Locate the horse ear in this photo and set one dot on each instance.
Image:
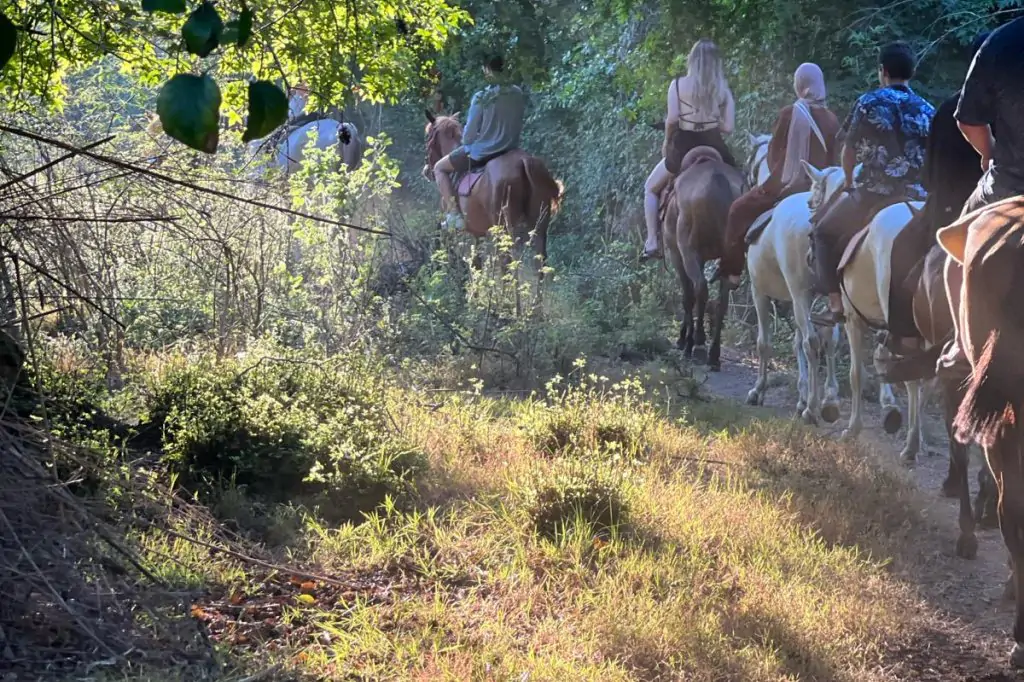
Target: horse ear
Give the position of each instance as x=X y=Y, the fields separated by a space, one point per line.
x=813 y=173
x=456 y=115
x=430 y=116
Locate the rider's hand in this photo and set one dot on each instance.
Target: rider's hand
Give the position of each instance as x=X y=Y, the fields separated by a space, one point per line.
x=985 y=163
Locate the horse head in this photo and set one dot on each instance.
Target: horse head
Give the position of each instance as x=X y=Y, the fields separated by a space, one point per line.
x=825 y=186
x=444 y=134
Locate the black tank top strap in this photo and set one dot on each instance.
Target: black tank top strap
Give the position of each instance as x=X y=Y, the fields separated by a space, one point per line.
x=698 y=126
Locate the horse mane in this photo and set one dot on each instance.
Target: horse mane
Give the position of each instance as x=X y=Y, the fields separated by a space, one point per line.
x=441 y=125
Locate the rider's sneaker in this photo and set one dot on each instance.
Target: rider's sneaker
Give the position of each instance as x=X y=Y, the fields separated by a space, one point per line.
x=454 y=221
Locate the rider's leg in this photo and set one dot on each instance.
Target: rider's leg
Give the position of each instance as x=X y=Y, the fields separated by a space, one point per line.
x=458 y=160
x=656 y=182
x=834 y=228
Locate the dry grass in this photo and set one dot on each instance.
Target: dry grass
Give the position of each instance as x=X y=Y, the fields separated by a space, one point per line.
x=744 y=549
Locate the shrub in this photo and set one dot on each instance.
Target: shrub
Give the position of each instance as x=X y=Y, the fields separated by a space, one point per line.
x=587 y=495
x=284 y=426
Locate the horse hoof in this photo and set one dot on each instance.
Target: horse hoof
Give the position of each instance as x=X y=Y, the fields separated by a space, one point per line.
x=950 y=488
x=830 y=413
x=892 y=421
x=848 y=435
x=800 y=407
x=967 y=546
x=753 y=397
x=1017 y=656
x=809 y=418
x=700 y=354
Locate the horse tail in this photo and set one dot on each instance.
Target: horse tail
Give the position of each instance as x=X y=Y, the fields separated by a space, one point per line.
x=542 y=183
x=990 y=407
x=351 y=152
x=719 y=199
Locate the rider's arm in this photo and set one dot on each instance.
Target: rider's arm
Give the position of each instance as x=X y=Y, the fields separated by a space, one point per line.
x=851 y=135
x=472 y=129
x=975 y=111
x=728 y=121
x=671 y=115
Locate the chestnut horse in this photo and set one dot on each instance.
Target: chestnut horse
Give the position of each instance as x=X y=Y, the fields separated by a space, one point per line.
x=515 y=191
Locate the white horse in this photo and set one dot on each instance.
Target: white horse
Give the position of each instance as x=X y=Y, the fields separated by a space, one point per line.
x=777 y=263
x=758 y=171
x=865 y=296
x=325 y=132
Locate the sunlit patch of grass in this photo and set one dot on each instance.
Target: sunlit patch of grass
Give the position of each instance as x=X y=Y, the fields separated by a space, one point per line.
x=724 y=548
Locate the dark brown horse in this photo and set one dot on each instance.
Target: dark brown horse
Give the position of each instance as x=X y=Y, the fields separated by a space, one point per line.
x=694 y=233
x=989 y=244
x=516 y=191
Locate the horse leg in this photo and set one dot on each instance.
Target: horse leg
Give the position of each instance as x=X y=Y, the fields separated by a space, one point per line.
x=802 y=370
x=986 y=501
x=715 y=353
x=914 y=432
x=855 y=337
x=956 y=484
x=830 y=404
x=695 y=272
x=1004 y=458
x=685 y=342
x=764 y=346
x=807 y=337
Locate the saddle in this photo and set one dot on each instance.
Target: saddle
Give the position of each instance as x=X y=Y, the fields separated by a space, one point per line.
x=465 y=182
x=757 y=227
x=858 y=239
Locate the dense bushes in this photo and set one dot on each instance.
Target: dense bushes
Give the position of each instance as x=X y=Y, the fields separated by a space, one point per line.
x=283 y=426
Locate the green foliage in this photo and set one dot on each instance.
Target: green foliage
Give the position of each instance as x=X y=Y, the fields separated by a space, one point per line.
x=202 y=30
x=189 y=110
x=283 y=426
x=588 y=417
x=8 y=40
x=268 y=108
x=239 y=31
x=168 y=6
x=576 y=496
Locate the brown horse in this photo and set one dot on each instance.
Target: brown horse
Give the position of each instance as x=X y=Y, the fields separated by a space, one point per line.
x=989 y=244
x=694 y=233
x=515 y=191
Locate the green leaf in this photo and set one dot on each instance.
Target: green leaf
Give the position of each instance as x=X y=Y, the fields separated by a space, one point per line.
x=244 y=26
x=189 y=110
x=168 y=6
x=202 y=30
x=8 y=39
x=238 y=30
x=268 y=108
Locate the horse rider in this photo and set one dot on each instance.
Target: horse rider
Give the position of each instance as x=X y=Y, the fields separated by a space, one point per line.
x=989 y=116
x=951 y=172
x=700 y=109
x=494 y=125
x=804 y=131
x=886 y=131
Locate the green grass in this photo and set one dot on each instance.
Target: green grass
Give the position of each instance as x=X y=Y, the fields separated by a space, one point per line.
x=744 y=550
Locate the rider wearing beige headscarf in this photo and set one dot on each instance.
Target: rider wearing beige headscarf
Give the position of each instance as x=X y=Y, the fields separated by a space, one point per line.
x=805 y=131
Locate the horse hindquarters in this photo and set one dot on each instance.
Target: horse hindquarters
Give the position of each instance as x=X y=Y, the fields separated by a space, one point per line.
x=540 y=201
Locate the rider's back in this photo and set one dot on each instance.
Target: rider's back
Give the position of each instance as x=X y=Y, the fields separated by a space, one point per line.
x=495 y=121
x=694 y=114
x=993 y=94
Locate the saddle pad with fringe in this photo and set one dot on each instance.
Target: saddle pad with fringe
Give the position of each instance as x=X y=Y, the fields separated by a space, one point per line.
x=467 y=181
x=757 y=227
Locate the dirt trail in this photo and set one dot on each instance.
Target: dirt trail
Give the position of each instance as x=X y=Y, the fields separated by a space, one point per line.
x=973 y=625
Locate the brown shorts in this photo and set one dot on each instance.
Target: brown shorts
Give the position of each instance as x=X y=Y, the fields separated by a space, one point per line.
x=459 y=158
x=683 y=141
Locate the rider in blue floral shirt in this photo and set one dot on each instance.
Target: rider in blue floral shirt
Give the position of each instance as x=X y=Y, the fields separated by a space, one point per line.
x=887 y=132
